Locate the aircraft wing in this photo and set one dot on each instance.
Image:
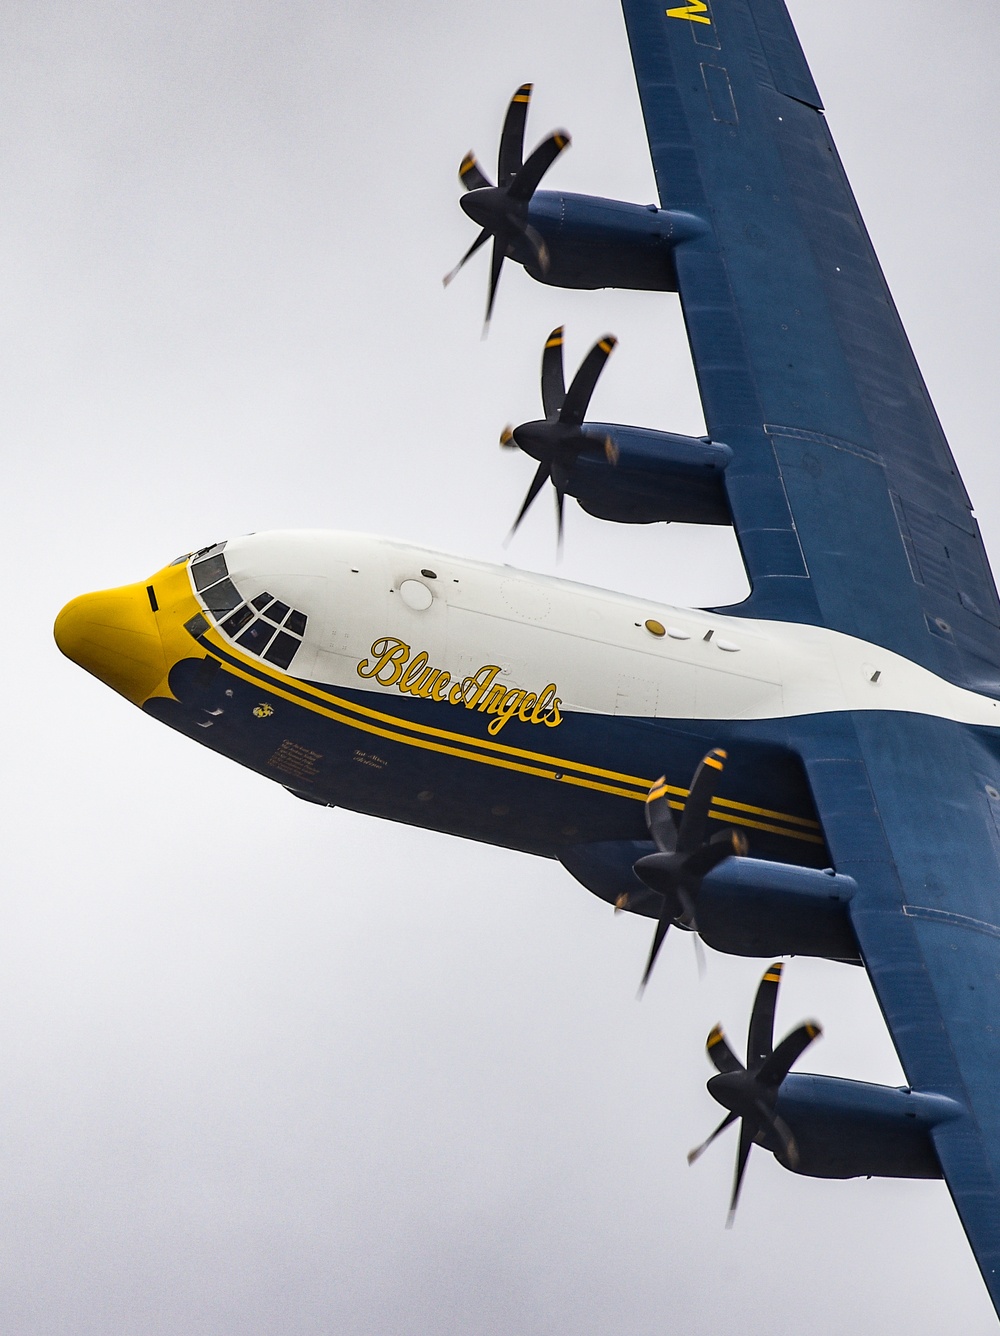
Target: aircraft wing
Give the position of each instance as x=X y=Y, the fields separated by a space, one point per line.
x=850 y=514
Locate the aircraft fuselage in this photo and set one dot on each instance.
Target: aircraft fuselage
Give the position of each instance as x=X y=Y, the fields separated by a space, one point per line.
x=483 y=701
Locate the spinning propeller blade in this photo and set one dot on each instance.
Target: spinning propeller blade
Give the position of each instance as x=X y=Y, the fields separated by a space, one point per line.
x=750 y=1093
x=501 y=210
x=557 y=440
x=685 y=853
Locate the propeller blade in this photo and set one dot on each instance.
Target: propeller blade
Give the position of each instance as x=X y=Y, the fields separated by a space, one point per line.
x=779 y=1064
x=580 y=391
x=633 y=899
x=659 y=818
x=553 y=380
x=694 y=821
x=722 y=1057
x=512 y=136
x=753 y=1090
x=784 y=1135
x=496 y=264
x=700 y=1150
x=723 y=844
x=525 y=183
x=481 y=240
x=686 y=916
x=662 y=926
x=746 y=1141
x=537 y=243
x=471 y=174
x=560 y=480
x=699 y=955
x=537 y=483
x=760 y=1037
x=507 y=441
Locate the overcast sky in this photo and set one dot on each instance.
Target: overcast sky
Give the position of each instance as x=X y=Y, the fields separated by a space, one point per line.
x=269 y=1069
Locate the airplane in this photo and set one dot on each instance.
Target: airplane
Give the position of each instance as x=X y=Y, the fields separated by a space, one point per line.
x=814 y=771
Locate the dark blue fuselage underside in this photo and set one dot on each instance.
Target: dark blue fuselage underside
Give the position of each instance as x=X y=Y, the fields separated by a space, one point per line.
x=476 y=795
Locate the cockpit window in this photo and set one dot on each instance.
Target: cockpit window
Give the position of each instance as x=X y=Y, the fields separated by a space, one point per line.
x=252 y=624
x=237 y=621
x=222 y=598
x=256 y=636
x=208 y=571
x=282 y=651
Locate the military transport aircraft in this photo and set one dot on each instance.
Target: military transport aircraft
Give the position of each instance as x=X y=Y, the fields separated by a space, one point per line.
x=831 y=745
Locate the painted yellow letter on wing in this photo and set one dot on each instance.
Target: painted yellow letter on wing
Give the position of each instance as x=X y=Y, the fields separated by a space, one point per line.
x=695 y=11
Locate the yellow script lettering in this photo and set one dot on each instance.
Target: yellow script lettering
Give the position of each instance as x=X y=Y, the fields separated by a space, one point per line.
x=440 y=686
x=391 y=665
x=391 y=654
x=525 y=708
x=491 y=702
x=507 y=708
x=474 y=688
x=408 y=682
x=542 y=703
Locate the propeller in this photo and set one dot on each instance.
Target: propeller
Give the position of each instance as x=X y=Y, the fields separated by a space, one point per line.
x=556 y=440
x=501 y=210
x=750 y=1093
x=686 y=852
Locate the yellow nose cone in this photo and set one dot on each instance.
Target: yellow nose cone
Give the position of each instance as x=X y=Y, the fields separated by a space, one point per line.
x=113 y=634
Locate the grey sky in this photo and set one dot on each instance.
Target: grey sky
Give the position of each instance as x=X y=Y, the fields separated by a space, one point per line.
x=270 y=1069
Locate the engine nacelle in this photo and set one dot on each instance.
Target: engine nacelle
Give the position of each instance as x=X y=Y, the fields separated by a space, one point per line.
x=751 y=907
x=656 y=477
x=745 y=906
x=605 y=243
x=852 y=1129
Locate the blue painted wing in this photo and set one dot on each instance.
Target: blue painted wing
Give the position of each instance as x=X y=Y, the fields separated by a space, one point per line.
x=851 y=514
x=843 y=478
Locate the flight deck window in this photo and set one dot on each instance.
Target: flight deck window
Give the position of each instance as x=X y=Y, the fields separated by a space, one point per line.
x=208 y=571
x=282 y=651
x=237 y=621
x=253 y=624
x=257 y=636
x=222 y=598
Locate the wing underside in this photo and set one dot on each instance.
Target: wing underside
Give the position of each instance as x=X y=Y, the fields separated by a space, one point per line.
x=851 y=514
x=842 y=468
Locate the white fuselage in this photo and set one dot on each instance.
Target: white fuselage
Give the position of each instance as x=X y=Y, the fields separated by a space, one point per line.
x=603 y=651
